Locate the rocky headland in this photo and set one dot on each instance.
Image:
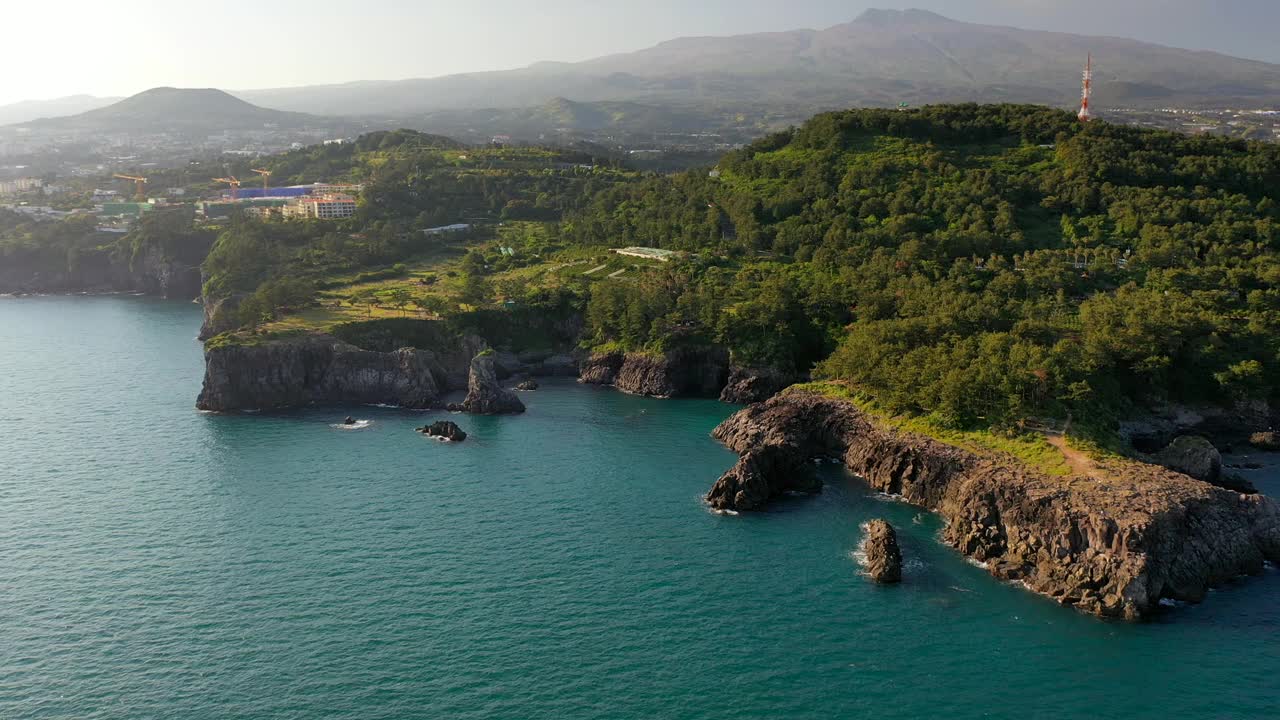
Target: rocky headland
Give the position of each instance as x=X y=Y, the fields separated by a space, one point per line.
x=318 y=369
x=1113 y=545
x=369 y=365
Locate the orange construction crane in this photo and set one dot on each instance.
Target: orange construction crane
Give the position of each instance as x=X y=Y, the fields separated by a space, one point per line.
x=139 y=182
x=266 y=176
x=234 y=183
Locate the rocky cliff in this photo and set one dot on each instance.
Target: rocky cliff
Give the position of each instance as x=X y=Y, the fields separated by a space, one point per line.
x=686 y=372
x=318 y=369
x=104 y=272
x=1113 y=545
x=747 y=385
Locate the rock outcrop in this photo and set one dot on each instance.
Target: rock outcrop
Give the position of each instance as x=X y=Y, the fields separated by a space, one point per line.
x=316 y=369
x=1191 y=455
x=529 y=385
x=686 y=372
x=883 y=556
x=485 y=395
x=1269 y=440
x=358 y=364
x=752 y=385
x=763 y=474
x=444 y=430
x=600 y=368
x=1114 y=547
x=1197 y=457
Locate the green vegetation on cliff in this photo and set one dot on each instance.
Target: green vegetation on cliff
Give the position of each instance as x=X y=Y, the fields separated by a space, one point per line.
x=973 y=265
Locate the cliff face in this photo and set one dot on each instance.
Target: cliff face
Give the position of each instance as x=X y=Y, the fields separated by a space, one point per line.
x=1113 y=547
x=316 y=370
x=102 y=272
x=693 y=372
x=219 y=316
x=747 y=385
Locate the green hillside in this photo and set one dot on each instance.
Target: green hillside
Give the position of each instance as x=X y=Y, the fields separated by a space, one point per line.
x=976 y=265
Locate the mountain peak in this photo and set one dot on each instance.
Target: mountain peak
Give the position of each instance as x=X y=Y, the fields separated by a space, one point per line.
x=884 y=18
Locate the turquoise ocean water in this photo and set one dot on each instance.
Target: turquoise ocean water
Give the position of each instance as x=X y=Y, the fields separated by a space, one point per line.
x=156 y=562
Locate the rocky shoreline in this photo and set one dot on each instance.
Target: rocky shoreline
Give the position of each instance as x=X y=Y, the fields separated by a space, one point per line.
x=1114 y=547
x=318 y=368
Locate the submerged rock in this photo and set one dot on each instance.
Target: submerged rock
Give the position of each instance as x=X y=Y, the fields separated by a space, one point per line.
x=445 y=430
x=884 y=558
x=485 y=395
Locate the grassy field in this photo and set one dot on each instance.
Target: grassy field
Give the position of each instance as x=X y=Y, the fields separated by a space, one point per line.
x=434 y=283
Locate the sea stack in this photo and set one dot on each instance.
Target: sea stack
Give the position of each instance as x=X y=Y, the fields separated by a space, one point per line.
x=444 y=430
x=485 y=396
x=884 y=558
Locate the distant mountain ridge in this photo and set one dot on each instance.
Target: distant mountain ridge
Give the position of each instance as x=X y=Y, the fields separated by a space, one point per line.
x=28 y=110
x=882 y=58
x=175 y=109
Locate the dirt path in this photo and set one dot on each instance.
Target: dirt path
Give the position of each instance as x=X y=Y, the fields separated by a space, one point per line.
x=1079 y=463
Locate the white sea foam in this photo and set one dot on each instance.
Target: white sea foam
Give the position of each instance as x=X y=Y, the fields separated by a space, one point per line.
x=357 y=425
x=888 y=498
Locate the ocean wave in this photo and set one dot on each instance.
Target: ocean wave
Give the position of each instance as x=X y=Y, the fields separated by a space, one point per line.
x=357 y=425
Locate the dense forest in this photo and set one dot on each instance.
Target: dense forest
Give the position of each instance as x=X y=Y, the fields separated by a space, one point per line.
x=974 y=264
x=978 y=264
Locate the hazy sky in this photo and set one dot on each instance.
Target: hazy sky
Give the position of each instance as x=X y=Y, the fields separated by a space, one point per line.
x=64 y=47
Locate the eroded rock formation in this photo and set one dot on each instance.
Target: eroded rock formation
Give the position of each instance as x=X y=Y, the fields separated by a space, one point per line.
x=883 y=556
x=485 y=394
x=1112 y=547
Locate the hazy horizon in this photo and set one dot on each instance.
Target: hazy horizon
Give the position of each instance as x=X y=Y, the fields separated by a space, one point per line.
x=290 y=43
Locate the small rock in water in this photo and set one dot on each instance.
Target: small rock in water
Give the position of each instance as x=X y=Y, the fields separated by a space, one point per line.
x=884 y=558
x=1269 y=440
x=445 y=430
x=528 y=385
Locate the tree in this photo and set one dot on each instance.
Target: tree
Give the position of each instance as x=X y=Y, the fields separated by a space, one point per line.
x=400 y=297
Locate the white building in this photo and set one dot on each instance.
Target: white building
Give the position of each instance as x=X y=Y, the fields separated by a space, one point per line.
x=322 y=207
x=13 y=187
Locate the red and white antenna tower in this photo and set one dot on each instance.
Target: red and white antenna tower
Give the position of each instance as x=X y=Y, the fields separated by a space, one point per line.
x=1087 y=93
